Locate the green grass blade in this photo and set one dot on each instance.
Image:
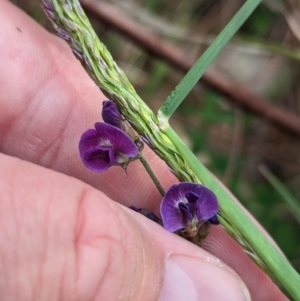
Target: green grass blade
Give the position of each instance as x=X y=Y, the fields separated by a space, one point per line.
x=274 y=47
x=195 y=73
x=291 y=201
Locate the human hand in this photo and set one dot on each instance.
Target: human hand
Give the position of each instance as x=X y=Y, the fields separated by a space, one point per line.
x=65 y=231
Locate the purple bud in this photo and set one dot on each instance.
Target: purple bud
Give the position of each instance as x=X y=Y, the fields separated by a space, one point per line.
x=105 y=146
x=111 y=114
x=187 y=205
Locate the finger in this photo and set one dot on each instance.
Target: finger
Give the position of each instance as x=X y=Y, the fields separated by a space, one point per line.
x=65 y=240
x=228 y=250
x=49 y=101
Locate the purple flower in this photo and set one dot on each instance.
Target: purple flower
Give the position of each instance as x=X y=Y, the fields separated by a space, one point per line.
x=105 y=146
x=187 y=206
x=111 y=114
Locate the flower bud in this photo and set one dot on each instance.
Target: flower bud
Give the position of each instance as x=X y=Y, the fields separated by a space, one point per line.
x=111 y=114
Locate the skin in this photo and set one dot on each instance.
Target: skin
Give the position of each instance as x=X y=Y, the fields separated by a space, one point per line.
x=65 y=231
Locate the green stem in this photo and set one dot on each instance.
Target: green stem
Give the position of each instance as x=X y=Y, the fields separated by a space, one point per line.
x=198 y=69
x=274 y=47
x=287 y=196
x=151 y=173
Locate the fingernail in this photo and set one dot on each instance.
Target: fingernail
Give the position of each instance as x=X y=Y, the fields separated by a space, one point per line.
x=190 y=279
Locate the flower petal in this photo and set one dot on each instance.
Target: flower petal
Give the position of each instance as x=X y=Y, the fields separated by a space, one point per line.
x=87 y=140
x=105 y=146
x=94 y=156
x=214 y=220
x=206 y=204
x=185 y=209
x=121 y=142
x=99 y=158
x=172 y=216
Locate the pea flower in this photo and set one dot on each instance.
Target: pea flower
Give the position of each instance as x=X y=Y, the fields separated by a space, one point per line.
x=105 y=146
x=188 y=206
x=111 y=114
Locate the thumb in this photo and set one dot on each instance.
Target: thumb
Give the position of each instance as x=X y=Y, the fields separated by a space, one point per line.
x=64 y=240
x=145 y=262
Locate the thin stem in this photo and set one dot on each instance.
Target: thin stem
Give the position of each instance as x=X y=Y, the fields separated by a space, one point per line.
x=288 y=197
x=151 y=173
x=198 y=69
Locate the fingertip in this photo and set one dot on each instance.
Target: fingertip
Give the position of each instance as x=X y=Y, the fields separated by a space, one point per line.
x=194 y=280
x=223 y=246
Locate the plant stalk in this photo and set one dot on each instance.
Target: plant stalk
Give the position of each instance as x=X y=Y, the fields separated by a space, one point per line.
x=151 y=173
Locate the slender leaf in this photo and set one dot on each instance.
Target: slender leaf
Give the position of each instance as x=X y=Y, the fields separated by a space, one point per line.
x=195 y=73
x=288 y=197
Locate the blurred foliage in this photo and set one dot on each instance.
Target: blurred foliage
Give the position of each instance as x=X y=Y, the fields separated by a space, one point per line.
x=261 y=22
x=231 y=142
